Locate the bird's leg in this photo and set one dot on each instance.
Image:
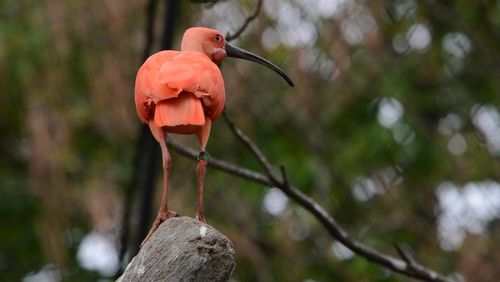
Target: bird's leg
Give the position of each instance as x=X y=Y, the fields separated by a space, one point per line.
x=201 y=167
x=163 y=213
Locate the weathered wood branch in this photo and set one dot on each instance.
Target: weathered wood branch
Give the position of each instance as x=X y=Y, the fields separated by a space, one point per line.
x=183 y=249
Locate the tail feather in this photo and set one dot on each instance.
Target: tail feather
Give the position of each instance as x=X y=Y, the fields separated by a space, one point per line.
x=186 y=109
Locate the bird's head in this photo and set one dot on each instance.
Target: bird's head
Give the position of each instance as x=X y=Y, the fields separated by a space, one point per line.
x=212 y=43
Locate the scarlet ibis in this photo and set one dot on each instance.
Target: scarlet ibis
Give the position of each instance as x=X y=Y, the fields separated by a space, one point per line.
x=182 y=92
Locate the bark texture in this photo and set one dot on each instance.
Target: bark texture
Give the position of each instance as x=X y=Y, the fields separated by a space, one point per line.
x=183 y=249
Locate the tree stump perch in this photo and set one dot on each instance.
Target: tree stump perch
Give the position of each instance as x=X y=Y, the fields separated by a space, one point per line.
x=183 y=249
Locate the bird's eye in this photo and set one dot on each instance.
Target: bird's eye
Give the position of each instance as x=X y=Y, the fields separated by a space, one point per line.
x=218 y=37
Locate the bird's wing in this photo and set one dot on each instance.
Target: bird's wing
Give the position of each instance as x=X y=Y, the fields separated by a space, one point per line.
x=144 y=83
x=168 y=73
x=208 y=84
x=195 y=73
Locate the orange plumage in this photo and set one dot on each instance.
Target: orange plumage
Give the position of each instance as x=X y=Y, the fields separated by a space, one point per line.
x=177 y=90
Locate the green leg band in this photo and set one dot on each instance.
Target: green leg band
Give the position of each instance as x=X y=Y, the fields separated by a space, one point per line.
x=203 y=156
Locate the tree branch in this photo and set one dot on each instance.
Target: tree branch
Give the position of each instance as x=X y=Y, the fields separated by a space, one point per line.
x=406 y=266
x=259 y=156
x=220 y=164
x=245 y=24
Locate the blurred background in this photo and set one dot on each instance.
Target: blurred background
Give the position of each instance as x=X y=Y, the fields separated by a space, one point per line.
x=393 y=126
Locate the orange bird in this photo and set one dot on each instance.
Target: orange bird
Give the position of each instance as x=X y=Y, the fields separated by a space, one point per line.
x=182 y=92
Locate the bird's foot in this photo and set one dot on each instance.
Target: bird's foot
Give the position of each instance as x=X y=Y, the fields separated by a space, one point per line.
x=160 y=218
x=201 y=217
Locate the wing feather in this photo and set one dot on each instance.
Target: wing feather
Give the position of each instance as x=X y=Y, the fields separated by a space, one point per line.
x=167 y=74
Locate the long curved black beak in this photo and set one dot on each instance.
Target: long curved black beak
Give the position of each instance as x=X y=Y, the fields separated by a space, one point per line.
x=235 y=52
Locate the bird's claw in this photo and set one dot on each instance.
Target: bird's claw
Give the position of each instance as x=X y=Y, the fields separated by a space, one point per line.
x=160 y=218
x=201 y=217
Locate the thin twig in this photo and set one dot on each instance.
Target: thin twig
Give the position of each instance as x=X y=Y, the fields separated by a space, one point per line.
x=247 y=21
x=257 y=153
x=403 y=253
x=284 y=176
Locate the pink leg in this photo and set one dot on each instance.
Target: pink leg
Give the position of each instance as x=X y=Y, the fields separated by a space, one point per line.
x=163 y=213
x=201 y=171
x=201 y=167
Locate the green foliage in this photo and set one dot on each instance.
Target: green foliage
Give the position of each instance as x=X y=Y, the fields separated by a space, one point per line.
x=68 y=127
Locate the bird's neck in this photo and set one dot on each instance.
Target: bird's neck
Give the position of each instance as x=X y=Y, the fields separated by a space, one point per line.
x=197 y=47
x=191 y=46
